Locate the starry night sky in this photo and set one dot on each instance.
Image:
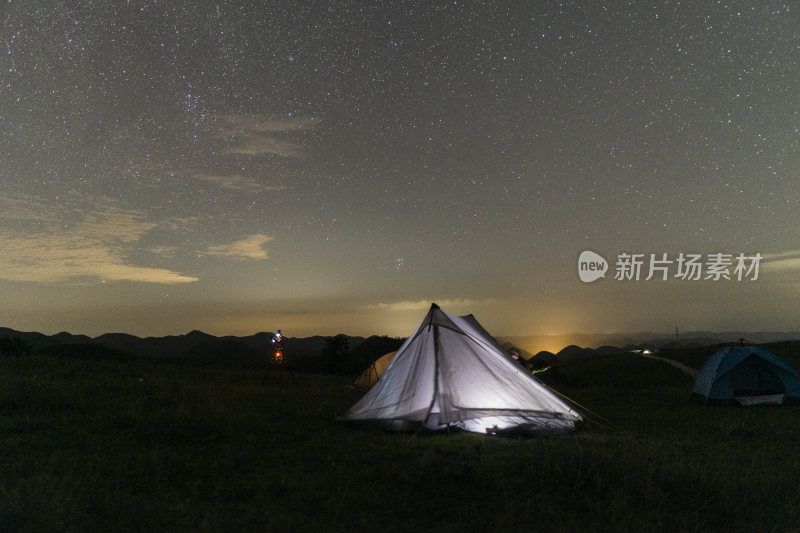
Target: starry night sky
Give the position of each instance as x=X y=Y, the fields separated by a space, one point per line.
x=327 y=167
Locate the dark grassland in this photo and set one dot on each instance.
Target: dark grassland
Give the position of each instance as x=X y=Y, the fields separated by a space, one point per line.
x=104 y=445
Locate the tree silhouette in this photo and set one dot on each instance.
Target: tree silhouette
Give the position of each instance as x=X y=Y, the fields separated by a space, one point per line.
x=336 y=351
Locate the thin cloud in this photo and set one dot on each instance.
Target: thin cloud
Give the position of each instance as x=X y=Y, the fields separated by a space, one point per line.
x=238 y=124
x=164 y=251
x=94 y=248
x=780 y=261
x=781 y=255
x=781 y=265
x=180 y=223
x=251 y=247
x=238 y=183
x=22 y=209
x=421 y=305
x=257 y=134
x=256 y=145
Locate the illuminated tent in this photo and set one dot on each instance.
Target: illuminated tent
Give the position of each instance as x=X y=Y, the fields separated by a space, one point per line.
x=449 y=374
x=370 y=376
x=749 y=375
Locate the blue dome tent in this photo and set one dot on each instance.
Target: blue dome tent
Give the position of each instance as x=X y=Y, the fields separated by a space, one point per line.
x=748 y=375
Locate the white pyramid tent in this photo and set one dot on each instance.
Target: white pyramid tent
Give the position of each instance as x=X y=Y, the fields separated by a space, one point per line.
x=449 y=374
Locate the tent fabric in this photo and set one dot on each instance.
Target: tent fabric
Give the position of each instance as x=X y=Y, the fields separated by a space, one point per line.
x=370 y=376
x=747 y=375
x=472 y=321
x=450 y=374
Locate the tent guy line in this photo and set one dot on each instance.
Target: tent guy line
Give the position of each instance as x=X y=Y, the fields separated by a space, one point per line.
x=677 y=364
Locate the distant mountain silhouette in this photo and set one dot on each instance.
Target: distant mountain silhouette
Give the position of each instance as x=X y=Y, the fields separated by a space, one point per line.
x=608 y=350
x=541 y=360
x=69 y=338
x=122 y=341
x=86 y=351
x=199 y=346
x=34 y=339
x=572 y=353
x=555 y=343
x=193 y=346
x=300 y=348
x=371 y=349
x=259 y=340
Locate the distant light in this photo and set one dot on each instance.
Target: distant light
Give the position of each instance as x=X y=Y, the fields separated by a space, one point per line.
x=646 y=352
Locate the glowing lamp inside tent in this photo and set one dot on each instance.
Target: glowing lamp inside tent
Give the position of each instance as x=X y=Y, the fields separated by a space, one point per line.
x=495 y=425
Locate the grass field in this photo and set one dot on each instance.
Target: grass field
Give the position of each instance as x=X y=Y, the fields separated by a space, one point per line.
x=100 y=445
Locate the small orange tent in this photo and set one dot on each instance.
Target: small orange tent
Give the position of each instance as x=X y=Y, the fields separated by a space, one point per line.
x=372 y=374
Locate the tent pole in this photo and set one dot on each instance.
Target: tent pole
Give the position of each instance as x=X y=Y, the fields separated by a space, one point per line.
x=436 y=372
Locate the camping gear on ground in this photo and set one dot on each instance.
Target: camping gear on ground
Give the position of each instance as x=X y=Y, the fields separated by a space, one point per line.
x=748 y=375
x=448 y=374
